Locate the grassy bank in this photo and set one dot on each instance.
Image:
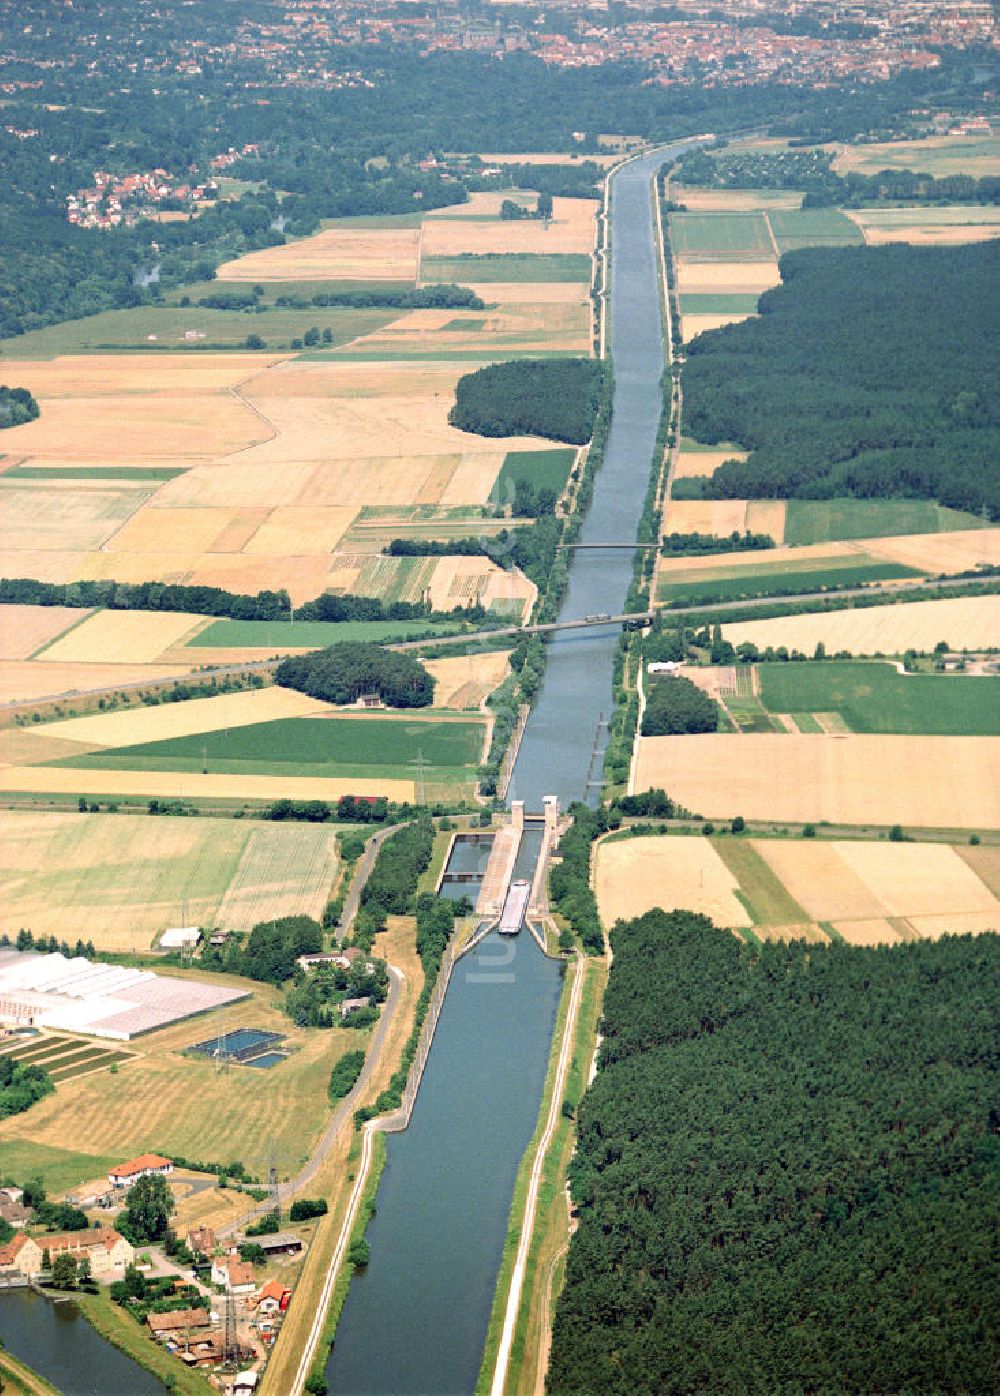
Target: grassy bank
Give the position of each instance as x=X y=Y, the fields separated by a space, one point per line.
x=122 y=1331
x=19 y=1380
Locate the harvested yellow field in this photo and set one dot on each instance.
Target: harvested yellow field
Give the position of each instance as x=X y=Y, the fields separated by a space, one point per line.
x=971 y=622
x=122 y=637
x=125 y=880
x=726 y=276
x=694 y=325
x=472 y=479
x=956 y=923
x=459 y=579
x=940 y=552
x=718 y=516
x=467 y=680
x=530 y=292
x=572 y=228
x=131 y=725
x=635 y=875
x=135 y=375
x=930 y=227
x=697 y=200
x=177 y=785
x=985 y=863
x=335 y=254
x=913 y=879
x=60 y=519
x=301 y=529
x=767 y=516
x=876 y=931
x=23 y=681
x=919 y=782
x=690 y=463
x=25 y=629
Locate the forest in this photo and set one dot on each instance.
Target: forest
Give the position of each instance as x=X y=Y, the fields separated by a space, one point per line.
x=342 y=673
x=555 y=398
x=675 y=705
x=17 y=406
x=21 y=1085
x=391 y=887
x=786 y=1171
x=848 y=383
x=270 y=951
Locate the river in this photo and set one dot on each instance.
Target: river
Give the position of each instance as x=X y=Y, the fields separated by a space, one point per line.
x=415 y=1320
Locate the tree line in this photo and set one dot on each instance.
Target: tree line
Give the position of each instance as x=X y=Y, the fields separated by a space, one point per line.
x=17 y=406
x=870 y=371
x=785 y=1170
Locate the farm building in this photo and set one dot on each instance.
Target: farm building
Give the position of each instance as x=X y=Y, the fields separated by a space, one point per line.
x=177 y=1324
x=278 y=1243
x=80 y=995
x=145 y=1166
x=180 y=938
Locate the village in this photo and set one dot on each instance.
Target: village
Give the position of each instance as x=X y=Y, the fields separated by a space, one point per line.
x=214 y=1300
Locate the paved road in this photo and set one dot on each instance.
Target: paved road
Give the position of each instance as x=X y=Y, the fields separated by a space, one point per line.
x=361 y=876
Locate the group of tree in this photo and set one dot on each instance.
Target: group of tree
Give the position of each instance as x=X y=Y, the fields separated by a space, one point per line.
x=871 y=371
x=569 y=880
x=269 y=953
x=555 y=398
x=675 y=705
x=146 y=596
x=17 y=406
x=313 y=999
x=737 y=542
x=512 y=212
x=49 y=945
x=343 y=673
x=785 y=1169
x=149 y=1205
x=442 y=296
x=392 y=884
x=349 y=809
x=21 y=1086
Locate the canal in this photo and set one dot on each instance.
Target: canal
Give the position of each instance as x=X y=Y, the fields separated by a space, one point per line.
x=415 y=1320
x=58 y=1343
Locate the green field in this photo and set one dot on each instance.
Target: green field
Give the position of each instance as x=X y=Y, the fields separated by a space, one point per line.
x=690 y=446
x=310 y=746
x=956 y=215
x=812 y=227
x=826 y=520
x=507 y=266
x=738 y=233
x=60 y=1170
x=546 y=470
x=758 y=581
x=721 y=303
x=313 y=634
x=972 y=155
x=875 y=697
x=123 y=330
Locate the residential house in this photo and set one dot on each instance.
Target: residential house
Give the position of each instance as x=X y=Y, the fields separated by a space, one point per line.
x=145 y=1166
x=202 y=1240
x=107 y=1251
x=273 y=1298
x=15 y=1214
x=348 y=1006
x=234 y=1275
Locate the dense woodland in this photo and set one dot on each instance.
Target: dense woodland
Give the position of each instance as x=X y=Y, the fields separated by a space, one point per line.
x=786 y=1171
x=869 y=372
x=342 y=673
x=676 y=705
x=556 y=398
x=21 y=1085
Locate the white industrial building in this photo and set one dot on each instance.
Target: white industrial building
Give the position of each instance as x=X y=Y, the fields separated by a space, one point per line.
x=115 y=1001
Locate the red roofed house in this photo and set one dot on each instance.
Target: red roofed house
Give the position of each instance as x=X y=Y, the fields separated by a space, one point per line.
x=106 y=1249
x=235 y=1276
x=145 y=1166
x=273 y=1298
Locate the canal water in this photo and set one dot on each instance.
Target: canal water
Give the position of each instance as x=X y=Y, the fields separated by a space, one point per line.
x=58 y=1342
x=555 y=753
x=414 y=1322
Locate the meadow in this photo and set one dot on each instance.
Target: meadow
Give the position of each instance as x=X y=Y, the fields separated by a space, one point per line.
x=310 y=634
x=157 y=329
x=814 y=227
x=975 y=155
x=509 y=266
x=544 y=470
x=876 y=697
x=339 y=746
x=718 y=303
x=725 y=234
x=825 y=520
